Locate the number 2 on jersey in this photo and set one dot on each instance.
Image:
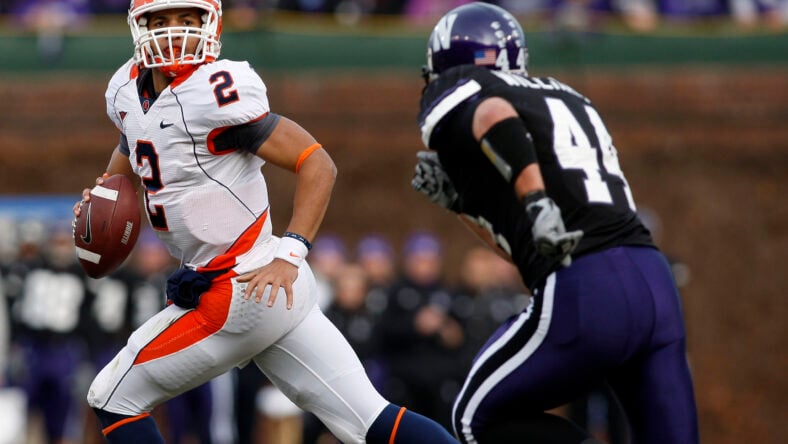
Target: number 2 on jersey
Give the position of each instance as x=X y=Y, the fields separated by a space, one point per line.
x=574 y=150
x=146 y=152
x=222 y=91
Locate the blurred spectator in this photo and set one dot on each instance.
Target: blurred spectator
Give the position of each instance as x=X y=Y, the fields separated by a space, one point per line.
x=329 y=254
x=489 y=293
x=692 y=9
x=418 y=332
x=524 y=6
x=148 y=269
x=750 y=13
x=50 y=19
x=389 y=6
x=128 y=297
x=5 y=333
x=350 y=312
x=746 y=13
x=13 y=422
x=583 y=16
x=109 y=6
x=8 y=243
x=429 y=9
x=7 y=255
x=639 y=15
x=307 y=5
x=376 y=256
x=49 y=324
x=573 y=15
x=189 y=416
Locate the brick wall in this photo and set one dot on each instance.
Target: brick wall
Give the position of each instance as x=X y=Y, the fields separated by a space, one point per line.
x=707 y=149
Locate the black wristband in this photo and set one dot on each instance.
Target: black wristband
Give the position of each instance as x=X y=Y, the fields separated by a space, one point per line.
x=298 y=237
x=532 y=196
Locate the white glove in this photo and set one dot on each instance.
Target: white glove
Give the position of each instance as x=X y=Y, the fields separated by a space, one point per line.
x=551 y=238
x=430 y=180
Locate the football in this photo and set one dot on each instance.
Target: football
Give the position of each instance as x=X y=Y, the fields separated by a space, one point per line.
x=107 y=227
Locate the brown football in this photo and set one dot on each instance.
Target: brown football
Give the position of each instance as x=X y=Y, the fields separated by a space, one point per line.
x=107 y=227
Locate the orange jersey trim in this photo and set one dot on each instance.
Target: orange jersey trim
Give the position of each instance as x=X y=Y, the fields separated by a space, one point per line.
x=107 y=430
x=184 y=75
x=244 y=243
x=306 y=153
x=396 y=425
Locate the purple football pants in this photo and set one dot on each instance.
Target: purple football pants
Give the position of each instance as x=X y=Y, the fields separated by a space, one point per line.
x=614 y=316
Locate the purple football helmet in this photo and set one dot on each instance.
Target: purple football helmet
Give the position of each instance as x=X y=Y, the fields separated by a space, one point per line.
x=477 y=34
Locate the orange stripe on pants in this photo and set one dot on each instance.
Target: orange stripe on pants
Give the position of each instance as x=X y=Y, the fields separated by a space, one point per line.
x=208 y=318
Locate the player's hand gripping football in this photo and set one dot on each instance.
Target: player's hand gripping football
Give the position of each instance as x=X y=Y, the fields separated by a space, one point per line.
x=77 y=209
x=550 y=236
x=430 y=180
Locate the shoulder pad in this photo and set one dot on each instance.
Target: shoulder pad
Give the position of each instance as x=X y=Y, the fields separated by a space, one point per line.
x=445 y=94
x=125 y=74
x=225 y=93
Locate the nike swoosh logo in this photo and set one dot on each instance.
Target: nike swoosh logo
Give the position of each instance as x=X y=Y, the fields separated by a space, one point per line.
x=163 y=125
x=291 y=253
x=87 y=237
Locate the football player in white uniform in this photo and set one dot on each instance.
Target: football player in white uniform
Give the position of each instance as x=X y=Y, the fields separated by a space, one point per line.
x=195 y=131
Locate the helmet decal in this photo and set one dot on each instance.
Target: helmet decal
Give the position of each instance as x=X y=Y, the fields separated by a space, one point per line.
x=441 y=36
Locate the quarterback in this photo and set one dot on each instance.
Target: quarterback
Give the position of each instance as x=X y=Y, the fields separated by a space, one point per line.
x=194 y=133
x=528 y=164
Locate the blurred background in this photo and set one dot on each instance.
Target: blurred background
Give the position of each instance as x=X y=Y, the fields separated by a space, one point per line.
x=694 y=92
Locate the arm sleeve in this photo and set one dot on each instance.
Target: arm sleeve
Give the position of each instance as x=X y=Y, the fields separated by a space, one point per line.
x=247 y=136
x=509 y=147
x=123 y=145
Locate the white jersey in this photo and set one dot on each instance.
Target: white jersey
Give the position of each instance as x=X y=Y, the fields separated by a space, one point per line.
x=209 y=207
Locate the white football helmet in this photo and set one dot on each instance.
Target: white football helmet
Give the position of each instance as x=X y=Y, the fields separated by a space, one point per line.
x=170 y=57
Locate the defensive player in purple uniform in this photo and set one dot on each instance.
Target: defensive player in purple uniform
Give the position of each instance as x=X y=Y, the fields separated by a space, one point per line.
x=528 y=164
x=195 y=131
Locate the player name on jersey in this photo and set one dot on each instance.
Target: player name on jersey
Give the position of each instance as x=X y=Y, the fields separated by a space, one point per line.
x=547 y=83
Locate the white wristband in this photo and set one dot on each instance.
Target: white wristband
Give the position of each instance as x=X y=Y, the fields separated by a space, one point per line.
x=291 y=250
